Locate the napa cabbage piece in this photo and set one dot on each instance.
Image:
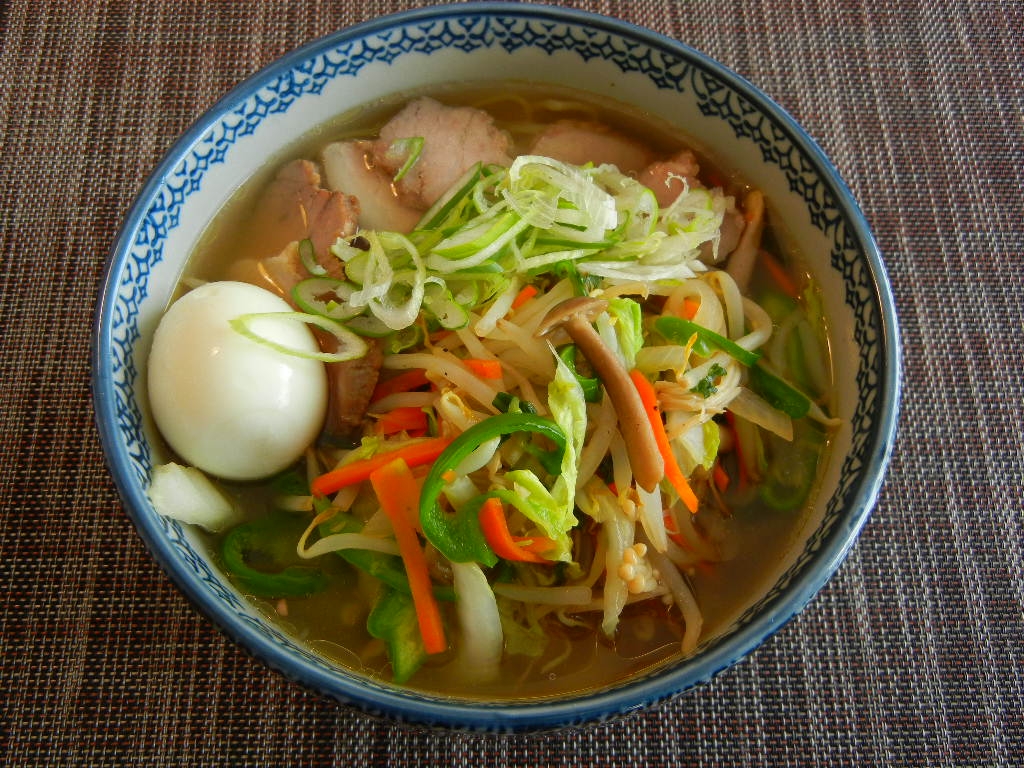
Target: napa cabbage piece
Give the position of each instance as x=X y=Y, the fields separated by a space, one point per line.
x=184 y=493
x=698 y=447
x=552 y=510
x=629 y=330
x=696 y=217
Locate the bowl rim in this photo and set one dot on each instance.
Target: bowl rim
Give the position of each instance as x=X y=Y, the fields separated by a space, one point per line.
x=412 y=706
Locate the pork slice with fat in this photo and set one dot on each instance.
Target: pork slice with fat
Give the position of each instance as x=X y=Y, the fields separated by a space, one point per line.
x=579 y=142
x=668 y=178
x=347 y=170
x=454 y=140
x=294 y=207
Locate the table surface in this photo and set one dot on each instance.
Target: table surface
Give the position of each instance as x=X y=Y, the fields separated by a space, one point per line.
x=910 y=656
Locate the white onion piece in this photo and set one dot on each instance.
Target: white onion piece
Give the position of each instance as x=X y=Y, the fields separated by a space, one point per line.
x=756 y=410
x=479 y=457
x=482 y=637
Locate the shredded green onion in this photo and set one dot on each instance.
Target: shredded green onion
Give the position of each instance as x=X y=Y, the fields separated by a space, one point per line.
x=308 y=257
x=350 y=346
x=411 y=148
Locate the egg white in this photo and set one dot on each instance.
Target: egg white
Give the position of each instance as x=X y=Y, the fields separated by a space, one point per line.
x=227 y=404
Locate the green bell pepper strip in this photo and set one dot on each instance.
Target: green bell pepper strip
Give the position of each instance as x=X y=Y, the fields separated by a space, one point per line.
x=393 y=620
x=789 y=481
x=679 y=331
x=582 y=284
x=591 y=386
x=271 y=539
x=290 y=482
x=507 y=403
x=778 y=393
x=459 y=537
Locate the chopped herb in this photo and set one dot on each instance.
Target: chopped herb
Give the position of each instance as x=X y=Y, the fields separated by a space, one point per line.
x=706 y=386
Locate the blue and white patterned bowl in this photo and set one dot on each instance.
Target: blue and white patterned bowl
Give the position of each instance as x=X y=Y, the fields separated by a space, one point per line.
x=727 y=116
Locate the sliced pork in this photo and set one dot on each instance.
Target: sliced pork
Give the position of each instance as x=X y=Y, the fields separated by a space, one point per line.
x=295 y=206
x=454 y=140
x=668 y=178
x=580 y=142
x=347 y=169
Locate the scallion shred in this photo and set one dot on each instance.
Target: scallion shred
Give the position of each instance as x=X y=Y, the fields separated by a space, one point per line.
x=350 y=346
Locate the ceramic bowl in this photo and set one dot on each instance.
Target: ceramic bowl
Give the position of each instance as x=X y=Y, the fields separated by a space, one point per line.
x=726 y=115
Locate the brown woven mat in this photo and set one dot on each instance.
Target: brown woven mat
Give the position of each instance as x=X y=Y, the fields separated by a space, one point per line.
x=912 y=655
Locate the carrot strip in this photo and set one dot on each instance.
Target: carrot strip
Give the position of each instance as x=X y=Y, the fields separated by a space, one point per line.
x=690 y=307
x=720 y=476
x=403 y=382
x=673 y=473
x=483 y=369
x=741 y=460
x=779 y=274
x=399 y=496
x=504 y=544
x=414 y=454
x=406 y=419
x=527 y=293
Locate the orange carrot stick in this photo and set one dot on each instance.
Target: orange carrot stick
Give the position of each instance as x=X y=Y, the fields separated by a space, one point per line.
x=673 y=473
x=403 y=382
x=527 y=293
x=414 y=454
x=720 y=476
x=504 y=544
x=781 y=277
x=399 y=496
x=406 y=419
x=483 y=369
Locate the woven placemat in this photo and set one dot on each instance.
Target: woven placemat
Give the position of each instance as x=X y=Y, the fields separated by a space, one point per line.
x=911 y=656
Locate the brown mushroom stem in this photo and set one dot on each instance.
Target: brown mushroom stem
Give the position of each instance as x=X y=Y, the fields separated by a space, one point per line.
x=575 y=315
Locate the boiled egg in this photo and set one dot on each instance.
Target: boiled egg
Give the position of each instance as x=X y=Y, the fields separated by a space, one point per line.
x=228 y=404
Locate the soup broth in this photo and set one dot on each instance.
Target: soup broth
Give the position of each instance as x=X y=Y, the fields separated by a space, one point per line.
x=755 y=488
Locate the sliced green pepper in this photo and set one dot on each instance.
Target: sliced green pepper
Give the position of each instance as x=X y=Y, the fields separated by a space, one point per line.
x=507 y=403
x=393 y=620
x=458 y=537
x=591 y=386
x=290 y=482
x=583 y=284
x=270 y=543
x=789 y=480
x=778 y=393
x=679 y=331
